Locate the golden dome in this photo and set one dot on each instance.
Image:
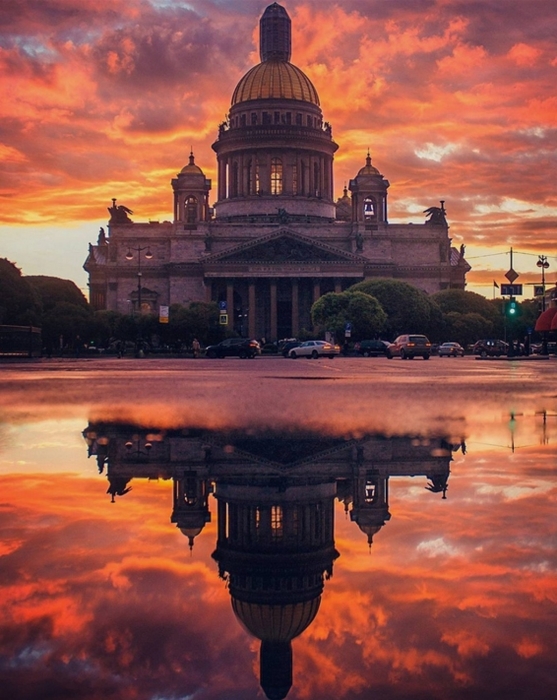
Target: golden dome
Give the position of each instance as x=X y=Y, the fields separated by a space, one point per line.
x=368 y=168
x=279 y=80
x=191 y=168
x=276 y=623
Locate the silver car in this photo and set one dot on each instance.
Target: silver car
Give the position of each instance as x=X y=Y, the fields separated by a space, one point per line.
x=315 y=349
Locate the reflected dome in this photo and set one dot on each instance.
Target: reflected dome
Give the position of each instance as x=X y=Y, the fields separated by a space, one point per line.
x=276 y=623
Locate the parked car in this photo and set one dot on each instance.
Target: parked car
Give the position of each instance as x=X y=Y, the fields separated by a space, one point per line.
x=373 y=348
x=234 y=347
x=287 y=347
x=451 y=350
x=411 y=346
x=315 y=349
x=490 y=347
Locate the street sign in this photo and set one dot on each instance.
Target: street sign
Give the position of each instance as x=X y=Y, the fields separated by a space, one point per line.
x=347 y=330
x=512 y=275
x=163 y=314
x=222 y=305
x=539 y=290
x=223 y=319
x=512 y=290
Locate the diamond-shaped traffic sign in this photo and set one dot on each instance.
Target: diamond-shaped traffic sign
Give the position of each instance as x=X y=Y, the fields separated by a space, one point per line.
x=512 y=275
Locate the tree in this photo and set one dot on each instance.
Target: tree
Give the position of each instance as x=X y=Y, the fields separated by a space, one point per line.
x=332 y=311
x=66 y=325
x=20 y=303
x=463 y=302
x=467 y=328
x=408 y=309
x=53 y=290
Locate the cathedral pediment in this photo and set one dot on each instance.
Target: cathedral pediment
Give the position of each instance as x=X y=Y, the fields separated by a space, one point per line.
x=284 y=247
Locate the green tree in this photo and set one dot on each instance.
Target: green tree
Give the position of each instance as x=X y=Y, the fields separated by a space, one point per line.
x=66 y=326
x=332 y=311
x=408 y=309
x=467 y=328
x=463 y=302
x=20 y=304
x=53 y=290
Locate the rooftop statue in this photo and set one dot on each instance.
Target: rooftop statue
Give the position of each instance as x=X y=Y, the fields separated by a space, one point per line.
x=436 y=215
x=119 y=214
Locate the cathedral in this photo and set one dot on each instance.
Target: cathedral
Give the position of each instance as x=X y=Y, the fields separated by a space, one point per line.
x=275 y=239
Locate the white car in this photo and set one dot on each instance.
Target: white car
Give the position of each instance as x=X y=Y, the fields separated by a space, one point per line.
x=451 y=350
x=315 y=349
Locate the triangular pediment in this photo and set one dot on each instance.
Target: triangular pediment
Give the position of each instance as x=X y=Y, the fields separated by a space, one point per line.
x=283 y=247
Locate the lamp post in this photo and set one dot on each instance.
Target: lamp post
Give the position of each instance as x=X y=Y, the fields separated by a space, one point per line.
x=129 y=256
x=543 y=265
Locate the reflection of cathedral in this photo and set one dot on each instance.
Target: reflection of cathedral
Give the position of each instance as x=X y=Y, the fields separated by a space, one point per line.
x=275 y=239
x=275 y=515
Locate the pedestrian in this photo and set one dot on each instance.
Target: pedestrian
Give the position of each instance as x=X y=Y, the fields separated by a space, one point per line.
x=196 y=347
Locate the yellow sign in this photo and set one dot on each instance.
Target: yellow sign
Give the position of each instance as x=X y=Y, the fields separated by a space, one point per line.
x=163 y=314
x=223 y=319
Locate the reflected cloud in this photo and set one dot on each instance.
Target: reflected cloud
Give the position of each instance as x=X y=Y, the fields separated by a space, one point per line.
x=214 y=556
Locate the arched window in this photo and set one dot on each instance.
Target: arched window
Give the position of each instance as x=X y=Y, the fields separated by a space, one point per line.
x=191 y=209
x=369 y=208
x=294 y=179
x=276 y=176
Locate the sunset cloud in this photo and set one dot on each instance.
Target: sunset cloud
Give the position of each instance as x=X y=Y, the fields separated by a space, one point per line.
x=455 y=100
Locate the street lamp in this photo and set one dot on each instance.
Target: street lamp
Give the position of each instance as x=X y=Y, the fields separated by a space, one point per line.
x=129 y=256
x=543 y=264
x=148 y=256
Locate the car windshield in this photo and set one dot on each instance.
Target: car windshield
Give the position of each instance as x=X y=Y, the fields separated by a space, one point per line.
x=417 y=339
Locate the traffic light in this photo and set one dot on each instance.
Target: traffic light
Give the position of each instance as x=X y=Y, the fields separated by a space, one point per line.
x=512 y=308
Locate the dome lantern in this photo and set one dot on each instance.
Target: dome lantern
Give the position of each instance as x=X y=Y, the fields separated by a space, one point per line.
x=275 y=34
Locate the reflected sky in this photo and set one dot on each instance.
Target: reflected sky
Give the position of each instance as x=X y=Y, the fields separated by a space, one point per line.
x=393 y=564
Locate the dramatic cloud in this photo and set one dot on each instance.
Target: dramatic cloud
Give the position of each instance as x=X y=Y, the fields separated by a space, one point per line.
x=455 y=100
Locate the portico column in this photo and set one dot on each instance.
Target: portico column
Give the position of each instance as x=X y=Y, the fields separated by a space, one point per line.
x=251 y=310
x=208 y=290
x=338 y=285
x=273 y=295
x=230 y=304
x=295 y=308
x=316 y=289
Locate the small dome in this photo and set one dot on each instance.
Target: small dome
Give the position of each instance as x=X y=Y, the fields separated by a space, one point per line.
x=278 y=80
x=368 y=168
x=191 y=168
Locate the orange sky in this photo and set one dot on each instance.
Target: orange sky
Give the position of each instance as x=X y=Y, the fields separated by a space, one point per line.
x=455 y=100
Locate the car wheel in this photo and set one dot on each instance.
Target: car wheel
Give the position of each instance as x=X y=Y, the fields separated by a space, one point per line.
x=293 y=354
x=212 y=354
x=314 y=355
x=426 y=357
x=483 y=354
x=366 y=353
x=403 y=355
x=243 y=354
x=389 y=356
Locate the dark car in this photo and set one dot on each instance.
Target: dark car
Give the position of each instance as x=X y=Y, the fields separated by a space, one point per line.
x=234 y=347
x=287 y=347
x=410 y=346
x=490 y=347
x=373 y=348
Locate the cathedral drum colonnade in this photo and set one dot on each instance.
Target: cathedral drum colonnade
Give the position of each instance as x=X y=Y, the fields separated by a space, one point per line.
x=275 y=240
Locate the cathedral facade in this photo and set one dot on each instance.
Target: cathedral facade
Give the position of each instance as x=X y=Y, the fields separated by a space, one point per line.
x=275 y=239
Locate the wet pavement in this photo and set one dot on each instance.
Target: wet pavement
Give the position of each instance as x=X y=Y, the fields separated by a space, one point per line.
x=355 y=528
